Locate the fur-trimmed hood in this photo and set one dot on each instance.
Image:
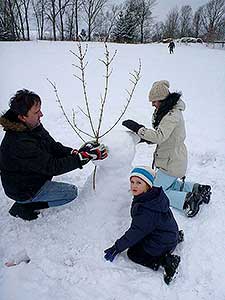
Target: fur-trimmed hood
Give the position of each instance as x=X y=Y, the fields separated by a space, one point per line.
x=180 y=105
x=9 y=122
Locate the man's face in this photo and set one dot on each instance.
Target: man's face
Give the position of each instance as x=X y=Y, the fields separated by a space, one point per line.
x=32 y=119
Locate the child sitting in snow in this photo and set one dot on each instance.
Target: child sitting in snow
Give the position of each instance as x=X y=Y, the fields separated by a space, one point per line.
x=153 y=234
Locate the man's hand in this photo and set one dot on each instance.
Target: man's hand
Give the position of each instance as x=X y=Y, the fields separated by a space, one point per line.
x=88 y=146
x=97 y=153
x=132 y=125
x=92 y=151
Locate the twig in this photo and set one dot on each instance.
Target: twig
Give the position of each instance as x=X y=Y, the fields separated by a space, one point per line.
x=80 y=130
x=136 y=76
x=62 y=108
x=107 y=63
x=82 y=67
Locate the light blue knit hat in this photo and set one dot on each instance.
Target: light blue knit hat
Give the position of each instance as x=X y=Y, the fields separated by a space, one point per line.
x=145 y=173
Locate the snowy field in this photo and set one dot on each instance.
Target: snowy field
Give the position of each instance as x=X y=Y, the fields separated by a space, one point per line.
x=66 y=244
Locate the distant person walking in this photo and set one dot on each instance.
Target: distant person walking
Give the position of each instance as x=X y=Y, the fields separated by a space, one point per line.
x=171 y=46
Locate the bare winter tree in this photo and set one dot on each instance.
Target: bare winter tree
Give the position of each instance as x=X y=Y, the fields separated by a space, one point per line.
x=26 y=6
x=213 y=18
x=39 y=14
x=144 y=14
x=197 y=23
x=171 y=25
x=55 y=10
x=105 y=22
x=71 y=22
x=8 y=29
x=158 y=31
x=19 y=18
x=62 y=7
x=52 y=12
x=92 y=8
x=96 y=132
x=186 y=19
x=16 y=12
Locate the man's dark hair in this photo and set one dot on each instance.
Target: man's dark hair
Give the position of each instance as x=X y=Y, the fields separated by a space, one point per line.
x=22 y=101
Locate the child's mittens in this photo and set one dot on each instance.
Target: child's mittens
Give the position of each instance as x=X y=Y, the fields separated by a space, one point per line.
x=111 y=253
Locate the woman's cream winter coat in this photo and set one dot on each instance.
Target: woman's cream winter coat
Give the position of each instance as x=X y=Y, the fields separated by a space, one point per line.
x=171 y=154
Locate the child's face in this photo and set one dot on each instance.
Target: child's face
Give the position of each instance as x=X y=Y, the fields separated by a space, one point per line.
x=138 y=186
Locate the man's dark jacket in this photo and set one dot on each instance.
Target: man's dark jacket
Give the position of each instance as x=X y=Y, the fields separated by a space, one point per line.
x=171 y=45
x=153 y=224
x=28 y=158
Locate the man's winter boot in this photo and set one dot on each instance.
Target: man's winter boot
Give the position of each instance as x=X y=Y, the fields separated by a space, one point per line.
x=170 y=264
x=23 y=211
x=38 y=205
x=192 y=204
x=204 y=191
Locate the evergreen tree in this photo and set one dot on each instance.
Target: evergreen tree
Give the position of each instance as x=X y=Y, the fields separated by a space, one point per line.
x=125 y=28
x=7 y=24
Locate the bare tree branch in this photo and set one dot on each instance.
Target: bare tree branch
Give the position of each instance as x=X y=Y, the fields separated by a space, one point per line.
x=62 y=108
x=107 y=63
x=83 y=64
x=136 y=75
x=80 y=130
x=83 y=111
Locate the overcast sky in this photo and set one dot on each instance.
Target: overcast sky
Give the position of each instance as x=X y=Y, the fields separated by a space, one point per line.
x=163 y=6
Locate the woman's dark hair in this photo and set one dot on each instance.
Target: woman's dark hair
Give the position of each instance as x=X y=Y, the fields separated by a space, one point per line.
x=22 y=102
x=165 y=106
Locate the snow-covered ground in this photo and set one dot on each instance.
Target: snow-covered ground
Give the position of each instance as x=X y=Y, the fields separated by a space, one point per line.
x=66 y=244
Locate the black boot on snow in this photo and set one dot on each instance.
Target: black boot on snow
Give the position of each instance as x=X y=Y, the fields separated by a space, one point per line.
x=170 y=264
x=204 y=191
x=23 y=211
x=38 y=205
x=180 y=236
x=192 y=204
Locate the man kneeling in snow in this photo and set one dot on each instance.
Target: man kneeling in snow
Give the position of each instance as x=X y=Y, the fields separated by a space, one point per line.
x=30 y=157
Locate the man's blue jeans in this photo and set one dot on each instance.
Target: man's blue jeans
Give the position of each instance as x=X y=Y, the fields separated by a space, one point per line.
x=55 y=193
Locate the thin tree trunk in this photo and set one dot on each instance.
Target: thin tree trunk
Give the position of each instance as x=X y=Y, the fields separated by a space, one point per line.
x=26 y=7
x=76 y=21
x=61 y=20
x=21 y=20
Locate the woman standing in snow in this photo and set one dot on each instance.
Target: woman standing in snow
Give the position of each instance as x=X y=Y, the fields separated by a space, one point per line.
x=170 y=156
x=153 y=234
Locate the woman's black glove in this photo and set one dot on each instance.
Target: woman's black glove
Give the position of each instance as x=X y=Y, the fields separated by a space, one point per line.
x=132 y=125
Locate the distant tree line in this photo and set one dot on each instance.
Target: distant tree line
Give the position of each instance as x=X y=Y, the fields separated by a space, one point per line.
x=97 y=20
